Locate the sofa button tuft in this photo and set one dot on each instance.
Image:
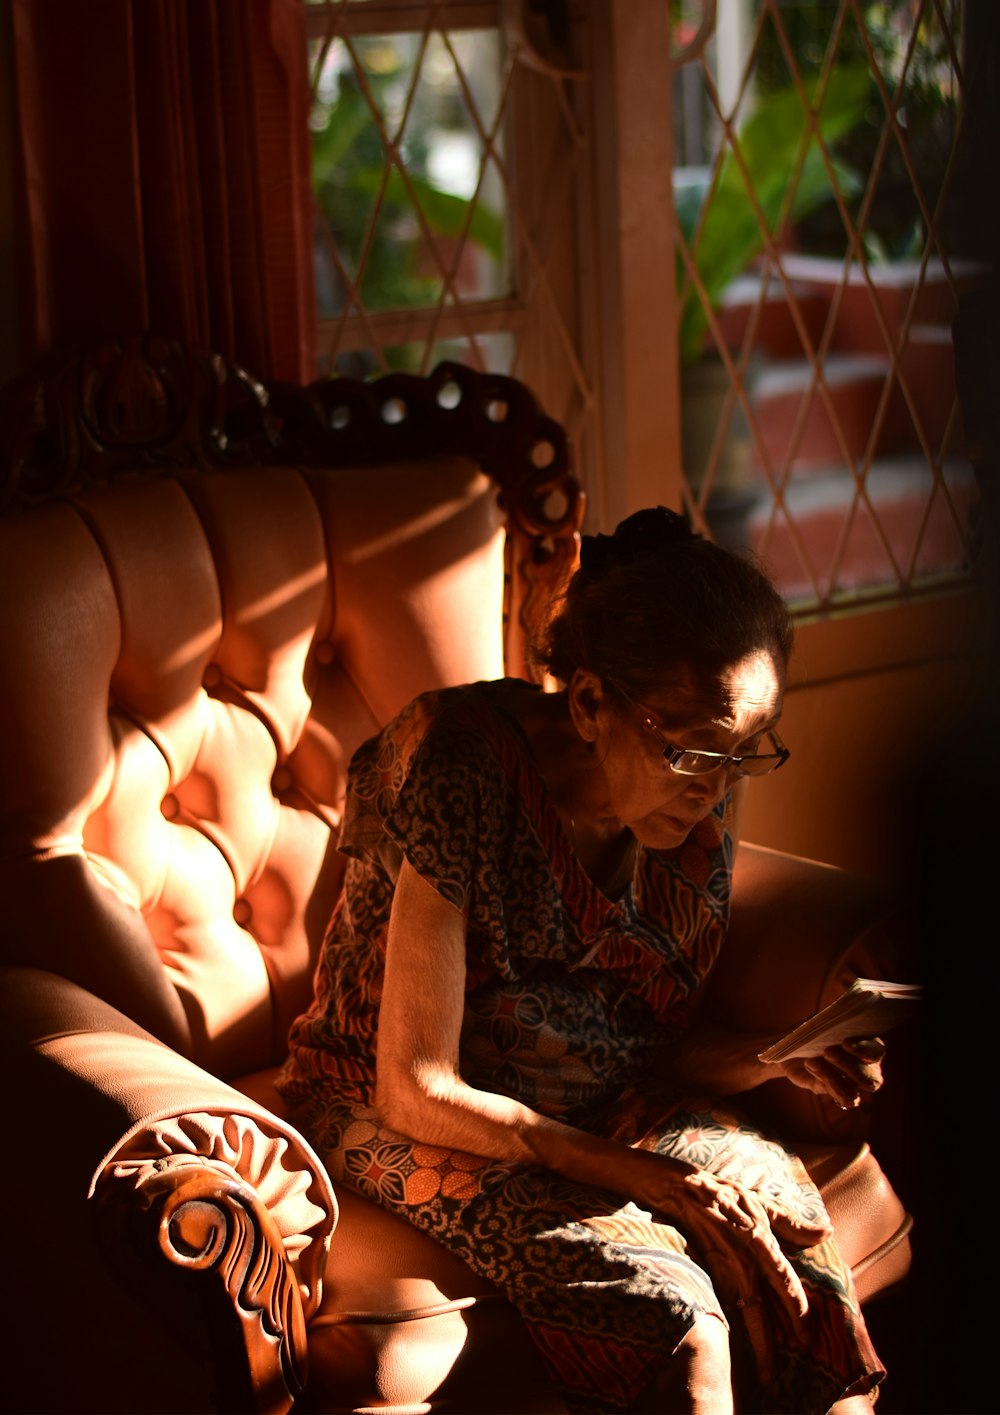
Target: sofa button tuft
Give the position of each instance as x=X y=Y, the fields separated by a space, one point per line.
x=324 y=652
x=212 y=676
x=281 y=780
x=243 y=912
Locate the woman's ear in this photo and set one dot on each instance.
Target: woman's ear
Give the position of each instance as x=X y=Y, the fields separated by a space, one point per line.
x=586 y=697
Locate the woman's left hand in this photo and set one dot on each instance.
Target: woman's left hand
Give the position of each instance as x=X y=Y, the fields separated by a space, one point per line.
x=847 y=1072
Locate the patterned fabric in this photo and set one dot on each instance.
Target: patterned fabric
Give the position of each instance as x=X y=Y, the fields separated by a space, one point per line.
x=567 y=995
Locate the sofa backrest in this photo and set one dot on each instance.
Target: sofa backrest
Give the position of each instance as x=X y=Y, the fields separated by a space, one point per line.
x=212 y=592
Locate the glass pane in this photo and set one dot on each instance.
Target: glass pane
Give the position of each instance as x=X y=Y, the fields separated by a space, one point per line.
x=495 y=352
x=450 y=172
x=819 y=270
x=410 y=200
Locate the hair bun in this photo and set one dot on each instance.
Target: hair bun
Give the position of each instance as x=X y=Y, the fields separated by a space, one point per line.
x=644 y=533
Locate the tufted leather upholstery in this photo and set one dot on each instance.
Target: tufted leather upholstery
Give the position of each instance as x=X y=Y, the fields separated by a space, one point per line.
x=211 y=594
x=189 y=747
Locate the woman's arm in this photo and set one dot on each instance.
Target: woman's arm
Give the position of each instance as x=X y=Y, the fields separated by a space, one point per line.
x=421 y=1093
x=419 y=1090
x=716 y=1059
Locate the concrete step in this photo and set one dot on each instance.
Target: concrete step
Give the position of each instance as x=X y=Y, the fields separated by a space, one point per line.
x=925 y=528
x=800 y=428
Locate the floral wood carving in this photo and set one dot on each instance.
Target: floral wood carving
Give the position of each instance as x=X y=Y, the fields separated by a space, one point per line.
x=144 y=403
x=214 y=1226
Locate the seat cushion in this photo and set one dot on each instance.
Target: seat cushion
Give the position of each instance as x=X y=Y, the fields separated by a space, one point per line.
x=405 y=1323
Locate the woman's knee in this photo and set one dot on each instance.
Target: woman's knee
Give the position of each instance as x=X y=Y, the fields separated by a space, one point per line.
x=697 y=1378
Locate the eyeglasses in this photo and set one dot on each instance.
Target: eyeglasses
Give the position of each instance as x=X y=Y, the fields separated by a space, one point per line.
x=686 y=762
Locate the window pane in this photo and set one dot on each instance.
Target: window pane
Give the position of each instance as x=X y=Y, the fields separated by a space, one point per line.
x=495 y=352
x=451 y=171
x=410 y=196
x=820 y=270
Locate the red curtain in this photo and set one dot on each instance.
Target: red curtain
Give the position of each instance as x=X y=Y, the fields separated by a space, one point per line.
x=164 y=177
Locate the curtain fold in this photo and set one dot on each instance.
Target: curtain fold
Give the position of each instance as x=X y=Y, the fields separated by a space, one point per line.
x=164 y=176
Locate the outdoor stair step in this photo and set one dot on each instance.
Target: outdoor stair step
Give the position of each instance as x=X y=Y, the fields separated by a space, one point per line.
x=899 y=492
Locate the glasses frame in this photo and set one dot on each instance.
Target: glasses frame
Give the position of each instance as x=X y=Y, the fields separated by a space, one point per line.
x=672 y=753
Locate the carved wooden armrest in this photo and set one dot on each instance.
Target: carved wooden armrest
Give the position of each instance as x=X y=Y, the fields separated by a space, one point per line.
x=208 y=1223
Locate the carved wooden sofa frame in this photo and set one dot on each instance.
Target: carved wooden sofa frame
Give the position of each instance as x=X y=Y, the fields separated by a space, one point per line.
x=212 y=592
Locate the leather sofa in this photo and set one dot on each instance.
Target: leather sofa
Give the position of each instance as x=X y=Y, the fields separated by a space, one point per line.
x=212 y=592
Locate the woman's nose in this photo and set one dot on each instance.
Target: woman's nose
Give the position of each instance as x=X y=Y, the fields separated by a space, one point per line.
x=711 y=786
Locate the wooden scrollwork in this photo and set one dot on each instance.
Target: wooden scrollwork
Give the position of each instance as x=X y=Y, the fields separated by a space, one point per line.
x=119 y=407
x=144 y=403
x=214 y=1226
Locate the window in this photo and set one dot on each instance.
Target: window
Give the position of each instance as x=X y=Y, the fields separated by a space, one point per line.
x=413 y=249
x=465 y=184
x=451 y=165
x=821 y=264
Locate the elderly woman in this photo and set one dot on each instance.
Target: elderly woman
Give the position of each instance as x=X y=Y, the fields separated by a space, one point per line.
x=505 y=1047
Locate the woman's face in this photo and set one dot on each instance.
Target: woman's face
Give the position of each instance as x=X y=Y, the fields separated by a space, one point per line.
x=634 y=784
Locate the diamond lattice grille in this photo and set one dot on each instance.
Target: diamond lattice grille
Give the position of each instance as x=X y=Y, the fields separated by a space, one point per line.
x=407 y=152
x=819 y=270
x=427 y=247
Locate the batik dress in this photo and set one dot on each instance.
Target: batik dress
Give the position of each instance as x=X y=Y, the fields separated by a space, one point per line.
x=568 y=995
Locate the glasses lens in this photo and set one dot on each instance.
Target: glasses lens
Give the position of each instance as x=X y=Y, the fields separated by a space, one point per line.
x=760 y=766
x=757 y=766
x=696 y=763
x=701 y=763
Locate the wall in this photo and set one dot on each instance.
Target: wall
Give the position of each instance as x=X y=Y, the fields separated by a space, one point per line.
x=876 y=707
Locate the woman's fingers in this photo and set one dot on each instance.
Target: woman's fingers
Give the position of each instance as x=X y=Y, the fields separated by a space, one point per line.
x=776 y=1268
x=790 y=1227
x=845 y=1079
x=742 y=1228
x=861 y=1060
x=795 y=1231
x=804 y=1072
x=743 y=1259
x=867 y=1048
x=834 y=1081
x=845 y=1072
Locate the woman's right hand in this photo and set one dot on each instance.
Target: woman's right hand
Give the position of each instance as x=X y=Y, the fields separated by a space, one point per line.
x=847 y=1072
x=734 y=1232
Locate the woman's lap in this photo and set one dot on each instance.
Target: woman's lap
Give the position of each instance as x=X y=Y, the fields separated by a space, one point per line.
x=607 y=1290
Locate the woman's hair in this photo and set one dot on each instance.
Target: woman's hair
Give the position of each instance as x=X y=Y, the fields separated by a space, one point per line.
x=655 y=596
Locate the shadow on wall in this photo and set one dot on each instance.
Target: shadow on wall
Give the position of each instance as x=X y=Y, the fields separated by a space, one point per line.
x=936 y=1343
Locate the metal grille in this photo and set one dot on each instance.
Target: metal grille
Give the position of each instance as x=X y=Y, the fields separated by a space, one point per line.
x=819 y=265
x=427 y=245
x=819 y=271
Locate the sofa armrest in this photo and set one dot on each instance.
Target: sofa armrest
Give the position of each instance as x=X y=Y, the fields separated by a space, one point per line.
x=800 y=932
x=207 y=1222
x=172 y=1231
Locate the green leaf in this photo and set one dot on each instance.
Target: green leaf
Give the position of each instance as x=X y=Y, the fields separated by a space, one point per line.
x=775 y=143
x=346 y=120
x=444 y=212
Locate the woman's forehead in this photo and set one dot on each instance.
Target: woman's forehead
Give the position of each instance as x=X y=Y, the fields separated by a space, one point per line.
x=751 y=688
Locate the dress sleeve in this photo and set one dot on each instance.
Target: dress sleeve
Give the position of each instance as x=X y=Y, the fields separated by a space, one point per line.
x=428 y=789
